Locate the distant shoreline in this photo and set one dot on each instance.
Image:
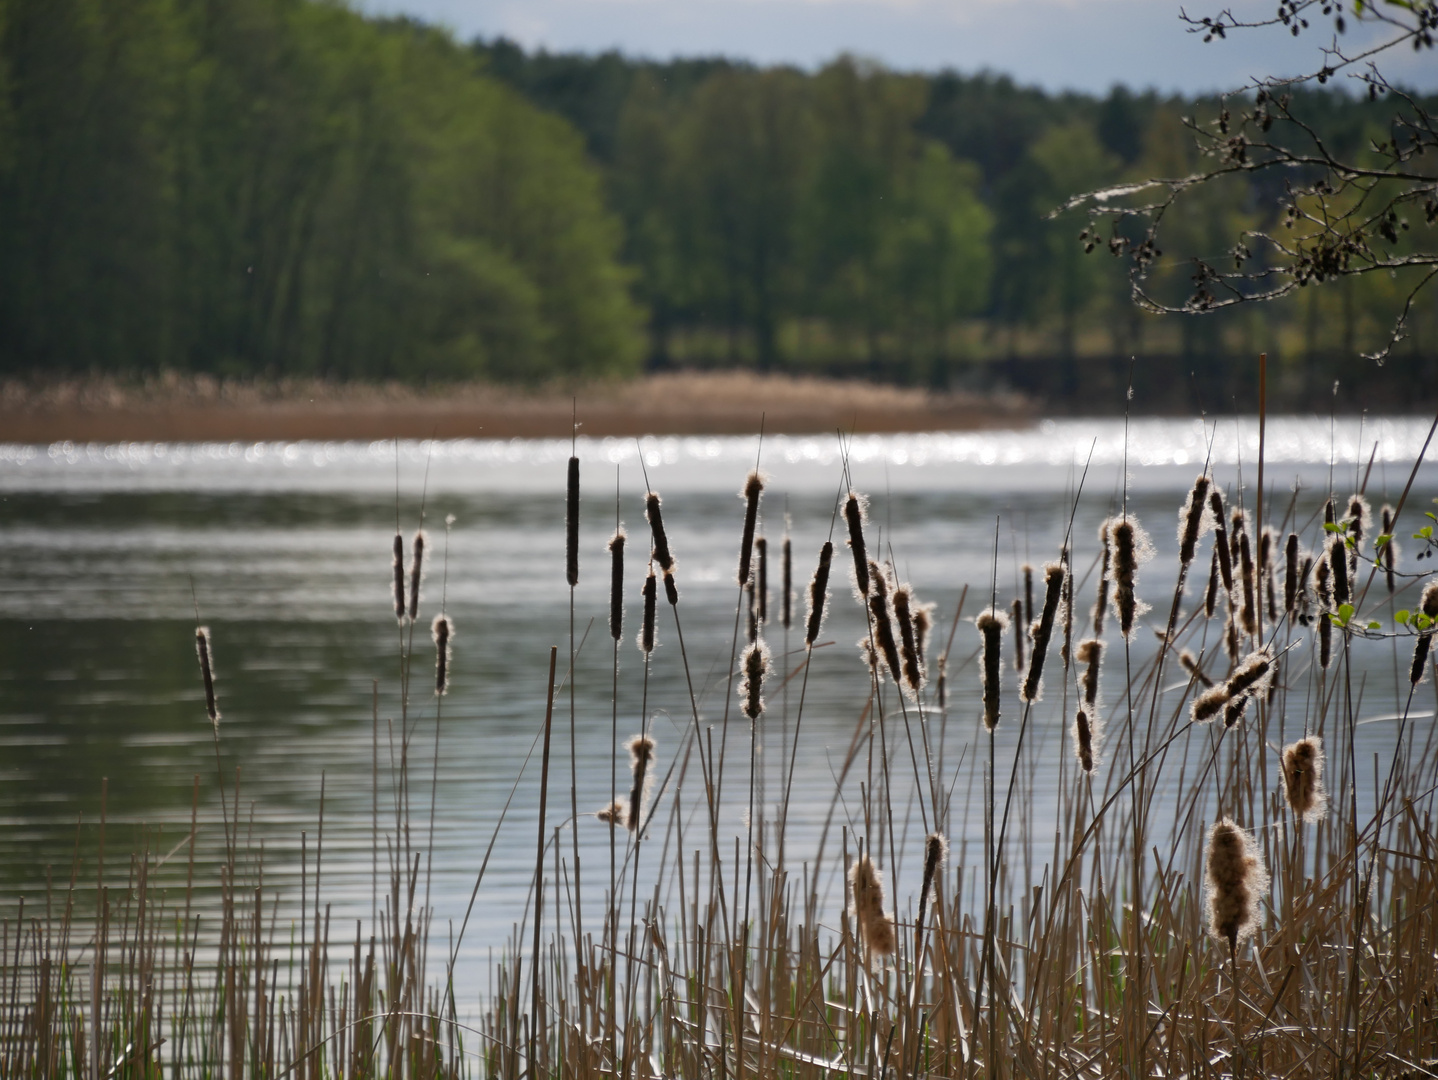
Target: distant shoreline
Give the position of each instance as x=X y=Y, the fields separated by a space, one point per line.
x=202 y=409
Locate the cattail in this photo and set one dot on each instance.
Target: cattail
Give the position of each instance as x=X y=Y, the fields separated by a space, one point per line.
x=1338 y=567
x=908 y=641
x=1253 y=675
x=1101 y=602
x=662 y=554
x=671 y=590
x=1086 y=739
x=1220 y=541
x=1190 y=522
x=1389 y=556
x=1090 y=653
x=1329 y=517
x=641 y=753
x=1267 y=547
x=1305 y=574
x=1360 y=518
x=883 y=627
x=1234 y=710
x=923 y=626
x=1323 y=584
x=399 y=577
x=416 y=573
x=1053 y=589
x=1068 y=608
x=1428 y=605
x=1231 y=644
x=751 y=688
x=1209 y=703
x=936 y=849
x=616 y=813
x=854 y=507
x=616 y=584
x=207 y=672
x=753 y=488
x=1236 y=880
x=1131 y=548
x=866 y=907
x=1017 y=614
x=1237 y=528
x=818 y=594
x=1028 y=594
x=442 y=630
x=761 y=567
x=1248 y=612
x=1210 y=597
x=943 y=682
x=1325 y=640
x=651 y=594
x=1303 y=778
x=786 y=608
x=571 y=525
x=1290 y=576
x=870 y=657
x=751 y=610
x=991 y=624
x=1190 y=665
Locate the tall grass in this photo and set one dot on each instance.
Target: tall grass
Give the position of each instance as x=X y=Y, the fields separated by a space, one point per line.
x=1207 y=901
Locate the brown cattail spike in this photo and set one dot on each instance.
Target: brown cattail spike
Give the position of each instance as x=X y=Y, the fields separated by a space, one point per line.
x=1388 y=554
x=1360 y=519
x=1236 y=880
x=1220 y=540
x=923 y=626
x=1090 y=654
x=398 y=566
x=1043 y=632
x=416 y=572
x=866 y=907
x=882 y=624
x=786 y=606
x=207 y=673
x=1068 y=608
x=1190 y=525
x=616 y=584
x=1248 y=613
x=641 y=754
x=442 y=630
x=571 y=525
x=1085 y=740
x=616 y=813
x=936 y=849
x=1190 y=665
x=1028 y=594
x=1233 y=711
x=1210 y=597
x=662 y=554
x=818 y=594
x=1267 y=549
x=1428 y=605
x=1105 y=538
x=854 y=507
x=943 y=682
x=753 y=488
x=908 y=641
x=1338 y=568
x=991 y=625
x=651 y=593
x=1017 y=615
x=1209 y=704
x=671 y=590
x=751 y=688
x=761 y=574
x=1131 y=548
x=1303 y=778
x=1291 y=567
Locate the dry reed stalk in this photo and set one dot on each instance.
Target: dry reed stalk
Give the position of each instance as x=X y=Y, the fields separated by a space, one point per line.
x=641 y=756
x=991 y=625
x=883 y=626
x=1016 y=616
x=571 y=524
x=1189 y=663
x=1192 y=519
x=755 y=663
x=1303 y=779
x=398 y=568
x=651 y=595
x=416 y=572
x=1291 y=566
x=616 y=584
x=442 y=630
x=866 y=908
x=818 y=594
x=1131 y=549
x=855 y=508
x=908 y=641
x=1043 y=631
x=207 y=672
x=753 y=489
x=1235 y=879
x=1105 y=539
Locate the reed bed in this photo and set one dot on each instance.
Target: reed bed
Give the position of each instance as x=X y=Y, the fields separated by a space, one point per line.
x=1209 y=900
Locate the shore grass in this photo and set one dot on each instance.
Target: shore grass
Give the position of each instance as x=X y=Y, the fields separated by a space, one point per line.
x=1193 y=909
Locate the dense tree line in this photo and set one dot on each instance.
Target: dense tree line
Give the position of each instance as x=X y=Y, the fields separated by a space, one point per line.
x=283 y=187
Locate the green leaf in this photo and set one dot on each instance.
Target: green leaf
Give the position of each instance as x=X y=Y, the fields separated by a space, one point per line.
x=1423 y=622
x=1328 y=526
x=1381 y=539
x=1375 y=625
x=1402 y=615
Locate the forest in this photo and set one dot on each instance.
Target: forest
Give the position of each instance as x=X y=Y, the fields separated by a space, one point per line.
x=283 y=187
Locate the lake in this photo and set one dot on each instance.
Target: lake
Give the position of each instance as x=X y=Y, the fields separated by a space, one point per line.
x=107 y=553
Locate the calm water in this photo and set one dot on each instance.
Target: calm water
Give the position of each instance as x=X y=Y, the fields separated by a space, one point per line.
x=107 y=551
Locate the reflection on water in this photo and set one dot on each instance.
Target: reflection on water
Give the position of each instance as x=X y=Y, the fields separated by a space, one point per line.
x=106 y=552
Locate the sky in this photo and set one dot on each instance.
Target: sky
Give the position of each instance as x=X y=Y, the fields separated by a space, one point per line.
x=1087 y=45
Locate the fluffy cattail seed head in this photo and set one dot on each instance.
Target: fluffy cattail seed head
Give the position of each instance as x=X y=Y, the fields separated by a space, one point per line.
x=416 y=572
x=207 y=672
x=908 y=641
x=1090 y=654
x=1105 y=539
x=1209 y=704
x=1190 y=665
x=442 y=630
x=662 y=555
x=855 y=506
x=1235 y=708
x=1086 y=734
x=671 y=590
x=819 y=594
x=1028 y=594
x=751 y=688
x=1338 y=568
x=1291 y=566
x=1192 y=520
x=1303 y=778
x=616 y=813
x=1220 y=540
x=991 y=626
x=882 y=624
x=1210 y=596
x=641 y=756
x=753 y=488
x=1248 y=613
x=398 y=567
x=1131 y=549
x=866 y=907
x=1359 y=517
x=1388 y=555
x=1253 y=675
x=651 y=593
x=923 y=626
x=1236 y=880
x=616 y=584
x=1043 y=632
x=1017 y=613
x=761 y=576
x=571 y=525
x=936 y=850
